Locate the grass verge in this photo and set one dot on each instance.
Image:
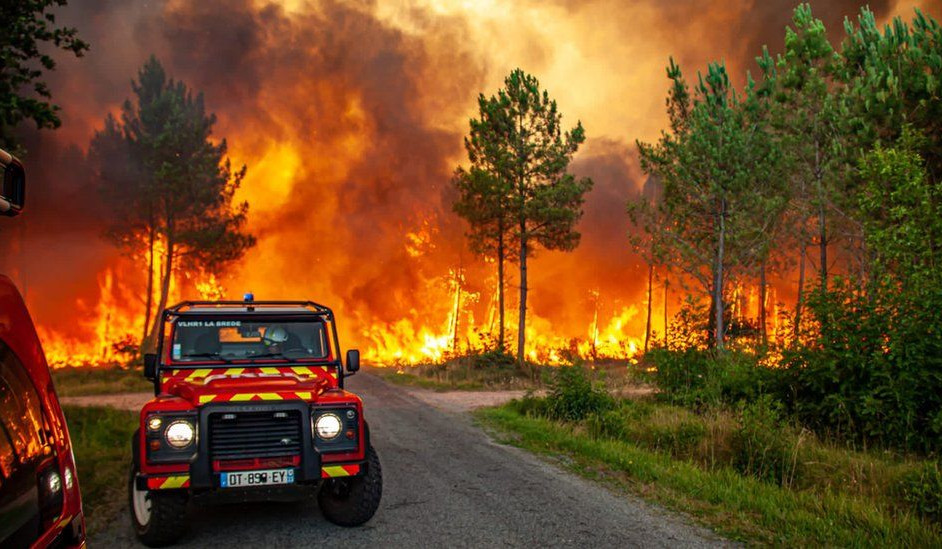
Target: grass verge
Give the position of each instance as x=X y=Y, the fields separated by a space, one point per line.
x=101 y=443
x=740 y=507
x=102 y=380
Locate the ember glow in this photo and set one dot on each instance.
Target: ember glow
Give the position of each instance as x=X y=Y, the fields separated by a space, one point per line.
x=350 y=118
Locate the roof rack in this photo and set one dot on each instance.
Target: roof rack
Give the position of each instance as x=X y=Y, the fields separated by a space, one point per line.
x=253 y=306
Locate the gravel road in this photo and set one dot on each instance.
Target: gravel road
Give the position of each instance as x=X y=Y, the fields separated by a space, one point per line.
x=446 y=484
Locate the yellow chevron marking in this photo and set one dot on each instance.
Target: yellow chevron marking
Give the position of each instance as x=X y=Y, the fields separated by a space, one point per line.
x=270 y=396
x=175 y=482
x=302 y=370
x=336 y=471
x=269 y=370
x=206 y=398
x=202 y=372
x=242 y=397
x=304 y=395
x=234 y=371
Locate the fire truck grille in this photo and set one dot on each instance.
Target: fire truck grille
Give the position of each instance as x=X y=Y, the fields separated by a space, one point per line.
x=254 y=434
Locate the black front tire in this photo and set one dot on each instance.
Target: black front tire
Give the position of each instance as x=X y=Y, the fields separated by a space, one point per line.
x=166 y=520
x=353 y=501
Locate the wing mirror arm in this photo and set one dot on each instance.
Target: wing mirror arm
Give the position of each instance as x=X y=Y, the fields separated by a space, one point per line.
x=150 y=366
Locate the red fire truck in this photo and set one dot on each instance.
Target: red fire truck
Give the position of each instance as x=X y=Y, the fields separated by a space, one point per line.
x=40 y=505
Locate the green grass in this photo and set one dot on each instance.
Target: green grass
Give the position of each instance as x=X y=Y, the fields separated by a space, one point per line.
x=101 y=441
x=458 y=375
x=87 y=380
x=737 y=506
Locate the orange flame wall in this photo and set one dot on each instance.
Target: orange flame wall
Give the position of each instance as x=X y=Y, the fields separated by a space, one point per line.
x=350 y=117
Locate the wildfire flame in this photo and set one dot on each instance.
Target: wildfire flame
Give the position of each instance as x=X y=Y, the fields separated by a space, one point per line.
x=350 y=118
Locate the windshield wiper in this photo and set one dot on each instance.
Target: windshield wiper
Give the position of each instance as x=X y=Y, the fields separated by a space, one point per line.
x=275 y=355
x=214 y=356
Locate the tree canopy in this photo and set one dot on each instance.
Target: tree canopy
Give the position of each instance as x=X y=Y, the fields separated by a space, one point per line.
x=27 y=26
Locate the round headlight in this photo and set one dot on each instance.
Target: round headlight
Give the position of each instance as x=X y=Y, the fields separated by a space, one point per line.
x=154 y=423
x=54 y=482
x=328 y=426
x=179 y=434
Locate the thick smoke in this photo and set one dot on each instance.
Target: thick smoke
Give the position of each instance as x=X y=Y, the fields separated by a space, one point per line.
x=350 y=117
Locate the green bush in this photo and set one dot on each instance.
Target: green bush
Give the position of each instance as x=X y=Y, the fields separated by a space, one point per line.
x=494 y=359
x=680 y=440
x=677 y=432
x=922 y=491
x=608 y=424
x=531 y=406
x=574 y=397
x=875 y=374
x=764 y=446
x=697 y=377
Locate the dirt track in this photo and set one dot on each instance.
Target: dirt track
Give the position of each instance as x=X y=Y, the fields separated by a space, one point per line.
x=445 y=484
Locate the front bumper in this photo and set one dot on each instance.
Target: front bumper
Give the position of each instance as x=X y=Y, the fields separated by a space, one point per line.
x=201 y=475
x=182 y=481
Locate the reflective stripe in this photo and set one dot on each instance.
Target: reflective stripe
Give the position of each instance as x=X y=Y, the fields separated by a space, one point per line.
x=168 y=483
x=176 y=482
x=334 y=471
x=206 y=398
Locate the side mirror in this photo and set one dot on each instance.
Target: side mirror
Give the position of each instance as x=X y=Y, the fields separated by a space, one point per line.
x=150 y=366
x=13 y=190
x=353 y=360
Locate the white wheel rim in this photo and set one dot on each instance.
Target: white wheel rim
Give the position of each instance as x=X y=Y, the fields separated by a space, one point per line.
x=142 y=506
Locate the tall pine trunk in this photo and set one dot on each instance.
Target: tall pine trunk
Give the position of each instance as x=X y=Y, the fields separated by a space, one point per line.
x=801 y=290
x=647 y=326
x=666 y=284
x=165 y=279
x=763 y=332
x=822 y=230
x=454 y=341
x=522 y=320
x=149 y=300
x=718 y=277
x=822 y=220
x=500 y=286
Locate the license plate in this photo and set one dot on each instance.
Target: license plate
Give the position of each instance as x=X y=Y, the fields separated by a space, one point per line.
x=266 y=477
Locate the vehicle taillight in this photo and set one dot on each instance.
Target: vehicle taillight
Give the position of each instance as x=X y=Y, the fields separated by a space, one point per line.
x=50 y=494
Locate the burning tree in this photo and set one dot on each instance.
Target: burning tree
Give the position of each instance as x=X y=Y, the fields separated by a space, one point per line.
x=171 y=187
x=484 y=198
x=519 y=157
x=718 y=218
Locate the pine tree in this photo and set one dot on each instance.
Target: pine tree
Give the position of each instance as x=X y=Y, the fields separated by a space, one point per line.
x=184 y=197
x=531 y=155
x=484 y=198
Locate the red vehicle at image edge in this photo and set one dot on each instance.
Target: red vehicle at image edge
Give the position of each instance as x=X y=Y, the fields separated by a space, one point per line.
x=249 y=402
x=40 y=505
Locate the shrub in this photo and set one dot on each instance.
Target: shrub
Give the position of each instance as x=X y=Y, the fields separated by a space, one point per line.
x=697 y=377
x=607 y=424
x=531 y=406
x=573 y=396
x=922 y=490
x=763 y=445
x=494 y=359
